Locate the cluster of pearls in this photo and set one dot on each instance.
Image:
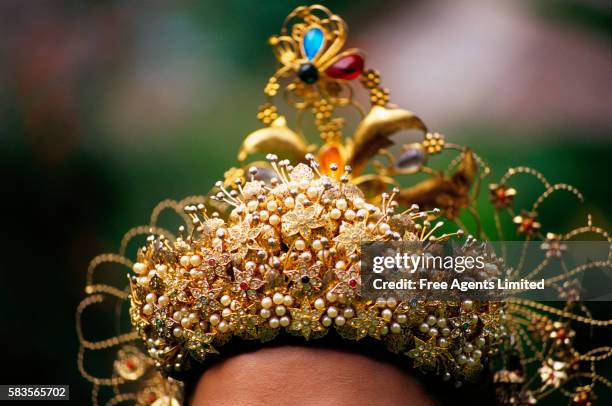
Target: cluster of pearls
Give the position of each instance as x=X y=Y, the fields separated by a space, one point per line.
x=274 y=309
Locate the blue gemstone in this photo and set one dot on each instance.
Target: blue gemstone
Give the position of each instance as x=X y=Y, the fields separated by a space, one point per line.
x=313 y=41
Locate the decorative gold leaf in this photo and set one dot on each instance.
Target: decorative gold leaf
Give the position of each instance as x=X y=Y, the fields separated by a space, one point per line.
x=374 y=131
x=447 y=192
x=276 y=138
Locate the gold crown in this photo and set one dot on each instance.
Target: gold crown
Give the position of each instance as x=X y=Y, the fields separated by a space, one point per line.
x=275 y=249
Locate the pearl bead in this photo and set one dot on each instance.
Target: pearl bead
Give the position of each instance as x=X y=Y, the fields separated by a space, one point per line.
x=340 y=265
x=446 y=331
x=349 y=215
x=226 y=312
x=317 y=245
x=431 y=320
x=391 y=302
x=461 y=359
x=265 y=313
x=326 y=321
x=471 y=362
x=362 y=213
x=480 y=341
x=266 y=302
x=424 y=328
x=359 y=202
x=331 y=297
x=285 y=321
x=467 y=304
x=341 y=204
x=477 y=354
x=384 y=227
x=147 y=309
x=381 y=302
x=332 y=311
x=319 y=304
x=274 y=322
x=280 y=310
x=223 y=326
x=214 y=319
x=151 y=298
x=274 y=219
x=225 y=300
x=177 y=316
x=185 y=322
x=288 y=300
x=402 y=318
x=139 y=267
x=387 y=314
x=163 y=300
x=194 y=318
x=442 y=323
x=271 y=205
x=184 y=261
x=442 y=342
x=178 y=332
x=384 y=330
x=252 y=205
x=348 y=313
x=340 y=321
x=289 y=202
x=278 y=298
x=396 y=328
x=335 y=214
x=433 y=332
x=312 y=192
x=195 y=260
x=300 y=245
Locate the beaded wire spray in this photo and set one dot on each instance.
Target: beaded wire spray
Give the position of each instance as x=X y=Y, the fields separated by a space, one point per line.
x=276 y=247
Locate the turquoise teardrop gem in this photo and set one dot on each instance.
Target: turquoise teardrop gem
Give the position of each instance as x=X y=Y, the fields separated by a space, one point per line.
x=313 y=41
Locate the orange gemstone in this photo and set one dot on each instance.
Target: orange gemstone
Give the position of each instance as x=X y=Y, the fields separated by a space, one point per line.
x=331 y=155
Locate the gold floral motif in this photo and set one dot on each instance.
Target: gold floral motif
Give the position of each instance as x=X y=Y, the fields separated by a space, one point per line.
x=306 y=320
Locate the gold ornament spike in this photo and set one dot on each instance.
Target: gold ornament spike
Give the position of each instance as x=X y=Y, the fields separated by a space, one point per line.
x=447 y=192
x=276 y=138
x=375 y=130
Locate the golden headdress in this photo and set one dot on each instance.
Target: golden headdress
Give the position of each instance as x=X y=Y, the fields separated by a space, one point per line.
x=274 y=249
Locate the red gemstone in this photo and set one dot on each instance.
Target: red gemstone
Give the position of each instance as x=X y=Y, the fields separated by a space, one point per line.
x=501 y=194
x=352 y=283
x=348 y=67
x=130 y=364
x=244 y=286
x=212 y=262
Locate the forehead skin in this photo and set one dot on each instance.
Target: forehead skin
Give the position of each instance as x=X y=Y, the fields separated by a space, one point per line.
x=294 y=375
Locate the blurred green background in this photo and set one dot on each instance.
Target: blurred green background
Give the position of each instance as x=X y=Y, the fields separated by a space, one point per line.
x=108 y=107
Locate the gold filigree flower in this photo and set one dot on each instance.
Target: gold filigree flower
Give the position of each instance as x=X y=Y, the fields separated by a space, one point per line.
x=351 y=236
x=306 y=320
x=424 y=353
x=302 y=220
